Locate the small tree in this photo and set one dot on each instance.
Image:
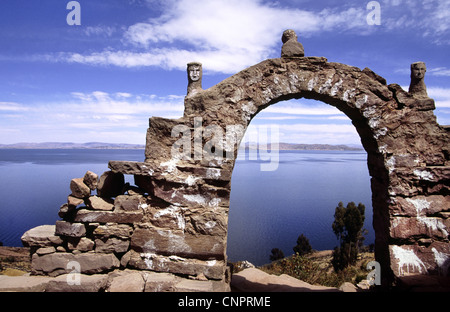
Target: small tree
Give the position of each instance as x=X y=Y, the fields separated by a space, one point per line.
x=276 y=254
x=303 y=247
x=347 y=225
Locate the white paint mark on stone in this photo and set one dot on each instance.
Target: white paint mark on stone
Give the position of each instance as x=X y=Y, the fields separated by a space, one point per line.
x=423 y=174
x=442 y=260
x=409 y=259
x=143 y=206
x=148 y=259
x=348 y=94
x=336 y=87
x=361 y=101
x=383 y=148
x=435 y=224
x=173 y=212
x=380 y=132
x=373 y=123
x=176 y=258
x=390 y=164
x=213 y=173
x=420 y=204
x=171 y=165
x=196 y=199
x=191 y=180
x=312 y=83
x=326 y=86
x=210 y=224
x=214 y=202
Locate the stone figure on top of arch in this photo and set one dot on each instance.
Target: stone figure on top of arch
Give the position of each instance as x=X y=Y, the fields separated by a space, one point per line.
x=417 y=87
x=195 y=74
x=291 y=47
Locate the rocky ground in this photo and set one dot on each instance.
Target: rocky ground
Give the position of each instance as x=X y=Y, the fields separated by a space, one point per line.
x=15 y=268
x=14 y=261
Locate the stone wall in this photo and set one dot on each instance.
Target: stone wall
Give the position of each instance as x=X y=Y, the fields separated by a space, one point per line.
x=174 y=219
x=109 y=225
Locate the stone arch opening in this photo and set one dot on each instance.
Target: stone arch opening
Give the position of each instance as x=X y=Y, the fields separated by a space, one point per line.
x=326 y=84
x=300 y=206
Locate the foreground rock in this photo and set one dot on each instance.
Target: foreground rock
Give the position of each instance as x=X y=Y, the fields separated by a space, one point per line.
x=115 y=281
x=255 y=280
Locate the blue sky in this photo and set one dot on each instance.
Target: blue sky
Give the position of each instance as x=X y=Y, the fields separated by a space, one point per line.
x=103 y=79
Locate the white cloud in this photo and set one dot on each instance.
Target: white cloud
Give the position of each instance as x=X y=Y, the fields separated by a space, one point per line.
x=439 y=71
x=431 y=18
x=440 y=95
x=12 y=107
x=118 y=117
x=306 y=133
x=225 y=35
x=298 y=109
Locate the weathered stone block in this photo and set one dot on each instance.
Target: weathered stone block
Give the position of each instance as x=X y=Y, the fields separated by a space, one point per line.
x=112 y=244
x=187 y=194
x=188 y=285
x=83 y=244
x=410 y=227
x=171 y=217
x=99 y=203
x=78 y=283
x=110 y=184
x=91 y=180
x=128 y=202
x=79 y=189
x=160 y=282
x=59 y=263
x=178 y=243
x=45 y=250
x=40 y=236
x=419 y=205
x=123 y=231
x=208 y=222
x=133 y=167
x=414 y=259
x=126 y=217
x=70 y=229
x=23 y=283
x=126 y=281
x=212 y=269
x=74 y=202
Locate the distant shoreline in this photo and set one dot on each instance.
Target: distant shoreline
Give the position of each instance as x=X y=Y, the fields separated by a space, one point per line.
x=101 y=145
x=57 y=145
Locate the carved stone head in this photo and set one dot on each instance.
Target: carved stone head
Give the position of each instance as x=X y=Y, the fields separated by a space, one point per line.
x=195 y=73
x=418 y=70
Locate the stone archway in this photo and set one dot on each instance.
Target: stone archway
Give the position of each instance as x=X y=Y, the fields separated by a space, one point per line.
x=177 y=222
x=408 y=151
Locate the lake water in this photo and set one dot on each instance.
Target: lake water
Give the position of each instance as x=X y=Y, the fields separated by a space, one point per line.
x=268 y=209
